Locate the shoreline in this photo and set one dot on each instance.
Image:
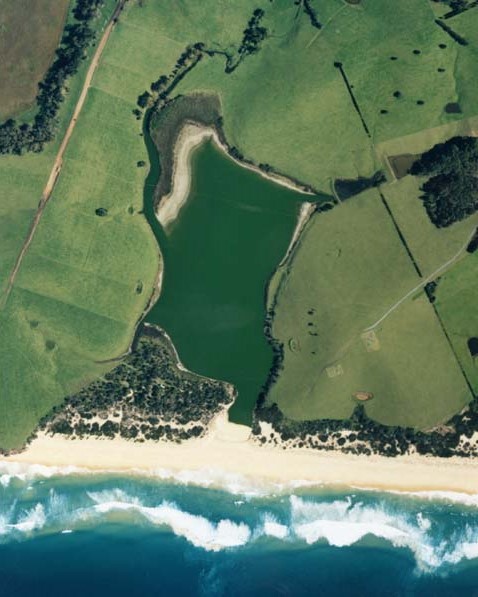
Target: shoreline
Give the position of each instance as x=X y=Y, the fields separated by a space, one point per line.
x=228 y=454
x=305 y=213
x=190 y=137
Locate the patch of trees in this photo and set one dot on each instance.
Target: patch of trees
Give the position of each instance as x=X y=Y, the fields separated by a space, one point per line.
x=18 y=138
x=85 y=10
x=457 y=7
x=312 y=14
x=473 y=244
x=253 y=36
x=145 y=397
x=473 y=346
x=361 y=435
x=453 y=34
x=160 y=89
x=346 y=188
x=430 y=290
x=451 y=192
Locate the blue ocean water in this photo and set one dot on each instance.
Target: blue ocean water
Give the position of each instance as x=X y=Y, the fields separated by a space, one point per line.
x=66 y=533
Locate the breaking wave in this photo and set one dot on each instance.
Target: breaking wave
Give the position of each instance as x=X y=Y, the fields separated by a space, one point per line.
x=439 y=528
x=301 y=520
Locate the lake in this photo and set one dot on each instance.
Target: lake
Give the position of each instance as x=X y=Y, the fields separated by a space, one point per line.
x=218 y=258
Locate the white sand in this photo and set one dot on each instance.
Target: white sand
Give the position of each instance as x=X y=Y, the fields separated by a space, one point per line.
x=189 y=138
x=228 y=451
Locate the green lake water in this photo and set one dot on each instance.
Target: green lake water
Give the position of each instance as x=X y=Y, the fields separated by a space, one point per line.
x=218 y=257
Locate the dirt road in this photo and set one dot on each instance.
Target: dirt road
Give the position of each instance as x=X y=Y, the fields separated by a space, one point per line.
x=423 y=283
x=58 y=163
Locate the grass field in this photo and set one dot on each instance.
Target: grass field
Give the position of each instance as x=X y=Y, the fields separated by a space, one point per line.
x=349 y=269
x=34 y=377
x=431 y=246
x=288 y=106
x=457 y=300
x=29 y=35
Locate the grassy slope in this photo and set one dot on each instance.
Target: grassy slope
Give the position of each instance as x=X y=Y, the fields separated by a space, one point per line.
x=339 y=270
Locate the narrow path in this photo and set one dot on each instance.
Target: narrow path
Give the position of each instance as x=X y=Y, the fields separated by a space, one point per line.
x=423 y=283
x=58 y=163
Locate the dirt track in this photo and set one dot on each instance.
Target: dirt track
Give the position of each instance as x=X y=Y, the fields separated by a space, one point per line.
x=424 y=282
x=58 y=163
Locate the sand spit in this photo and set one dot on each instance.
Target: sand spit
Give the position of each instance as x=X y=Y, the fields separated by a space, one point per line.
x=189 y=138
x=228 y=450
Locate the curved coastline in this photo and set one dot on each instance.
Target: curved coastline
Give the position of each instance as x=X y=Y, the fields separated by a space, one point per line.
x=190 y=136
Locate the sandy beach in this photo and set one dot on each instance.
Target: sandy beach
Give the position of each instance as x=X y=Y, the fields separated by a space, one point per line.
x=228 y=451
x=190 y=137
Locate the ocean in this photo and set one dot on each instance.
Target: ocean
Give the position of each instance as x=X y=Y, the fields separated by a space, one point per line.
x=64 y=532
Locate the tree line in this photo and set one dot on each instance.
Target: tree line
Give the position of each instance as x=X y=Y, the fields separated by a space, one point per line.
x=19 y=138
x=361 y=435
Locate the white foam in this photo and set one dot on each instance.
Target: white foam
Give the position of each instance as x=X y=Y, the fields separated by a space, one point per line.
x=455 y=497
x=233 y=483
x=31 y=520
x=27 y=472
x=424 y=523
x=341 y=534
x=273 y=528
x=198 y=530
x=341 y=523
x=109 y=496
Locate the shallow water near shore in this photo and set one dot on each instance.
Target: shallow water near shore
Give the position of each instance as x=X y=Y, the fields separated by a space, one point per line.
x=218 y=257
x=103 y=534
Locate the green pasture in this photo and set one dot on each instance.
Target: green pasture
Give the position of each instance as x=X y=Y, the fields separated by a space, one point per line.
x=286 y=106
x=349 y=269
x=457 y=300
x=49 y=338
x=431 y=247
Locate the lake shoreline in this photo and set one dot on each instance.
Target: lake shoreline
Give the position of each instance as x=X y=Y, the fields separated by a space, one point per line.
x=228 y=454
x=190 y=136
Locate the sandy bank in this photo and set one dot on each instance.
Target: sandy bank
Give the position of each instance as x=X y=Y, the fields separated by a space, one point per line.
x=227 y=450
x=190 y=137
